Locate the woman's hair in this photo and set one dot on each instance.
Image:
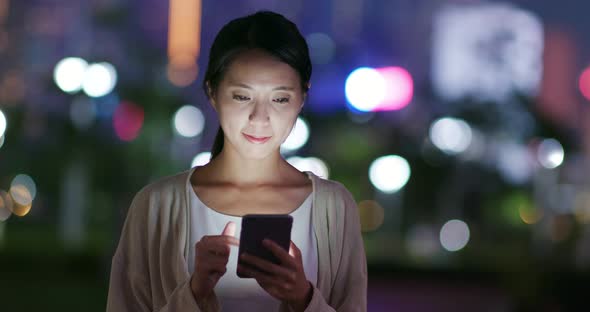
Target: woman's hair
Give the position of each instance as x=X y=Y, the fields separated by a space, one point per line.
x=264 y=30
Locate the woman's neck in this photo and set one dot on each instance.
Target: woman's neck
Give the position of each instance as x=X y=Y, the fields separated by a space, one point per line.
x=228 y=168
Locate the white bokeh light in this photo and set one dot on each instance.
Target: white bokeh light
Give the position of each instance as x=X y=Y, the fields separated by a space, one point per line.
x=313 y=164
x=451 y=135
x=69 y=74
x=201 y=159
x=189 y=121
x=365 y=89
x=2 y=124
x=454 y=235
x=99 y=79
x=298 y=136
x=550 y=153
x=514 y=162
x=486 y=50
x=389 y=173
x=23 y=189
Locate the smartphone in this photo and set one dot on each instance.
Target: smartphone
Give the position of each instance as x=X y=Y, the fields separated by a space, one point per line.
x=257 y=227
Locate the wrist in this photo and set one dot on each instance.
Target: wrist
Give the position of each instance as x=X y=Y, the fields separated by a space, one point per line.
x=301 y=304
x=197 y=293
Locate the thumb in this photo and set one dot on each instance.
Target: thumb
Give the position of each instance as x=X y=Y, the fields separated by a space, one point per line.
x=229 y=229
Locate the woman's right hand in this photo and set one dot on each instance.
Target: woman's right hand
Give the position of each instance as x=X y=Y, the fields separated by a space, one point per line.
x=211 y=255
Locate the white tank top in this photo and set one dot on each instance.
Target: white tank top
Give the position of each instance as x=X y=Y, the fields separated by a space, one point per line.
x=234 y=293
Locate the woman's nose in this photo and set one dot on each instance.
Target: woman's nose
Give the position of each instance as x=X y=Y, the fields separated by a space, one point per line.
x=259 y=113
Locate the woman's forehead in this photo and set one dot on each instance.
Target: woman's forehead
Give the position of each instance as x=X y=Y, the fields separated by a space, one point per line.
x=252 y=68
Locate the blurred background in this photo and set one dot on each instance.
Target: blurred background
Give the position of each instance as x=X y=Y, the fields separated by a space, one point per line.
x=462 y=128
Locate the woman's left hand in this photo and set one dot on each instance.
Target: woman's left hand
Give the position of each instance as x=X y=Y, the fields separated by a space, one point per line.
x=287 y=281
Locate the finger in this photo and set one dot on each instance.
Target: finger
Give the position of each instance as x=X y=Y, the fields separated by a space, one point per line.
x=294 y=250
x=279 y=252
x=214 y=267
x=274 y=286
x=230 y=229
x=219 y=241
x=268 y=267
x=215 y=248
x=261 y=277
x=226 y=240
x=213 y=261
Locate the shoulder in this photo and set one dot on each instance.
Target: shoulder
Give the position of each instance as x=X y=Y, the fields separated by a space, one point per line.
x=168 y=185
x=327 y=188
x=160 y=193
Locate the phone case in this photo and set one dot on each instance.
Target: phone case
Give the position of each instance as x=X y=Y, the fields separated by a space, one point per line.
x=256 y=228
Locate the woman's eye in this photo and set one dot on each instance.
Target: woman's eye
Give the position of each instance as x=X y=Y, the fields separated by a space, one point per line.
x=282 y=100
x=241 y=98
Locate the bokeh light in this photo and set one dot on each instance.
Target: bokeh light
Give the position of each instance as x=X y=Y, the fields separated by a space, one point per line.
x=584 y=83
x=182 y=76
x=399 y=88
x=23 y=190
x=5 y=205
x=529 y=214
x=298 y=136
x=128 y=120
x=106 y=105
x=371 y=215
x=201 y=159
x=451 y=135
x=389 y=173
x=21 y=210
x=69 y=74
x=99 y=79
x=486 y=51
x=83 y=112
x=550 y=153
x=184 y=41
x=365 y=89
x=2 y=124
x=313 y=164
x=454 y=235
x=422 y=241
x=321 y=48
x=189 y=121
x=514 y=163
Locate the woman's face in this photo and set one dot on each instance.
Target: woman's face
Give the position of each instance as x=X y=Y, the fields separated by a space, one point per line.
x=257 y=102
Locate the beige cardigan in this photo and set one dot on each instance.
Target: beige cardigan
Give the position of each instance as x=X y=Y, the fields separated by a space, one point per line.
x=149 y=269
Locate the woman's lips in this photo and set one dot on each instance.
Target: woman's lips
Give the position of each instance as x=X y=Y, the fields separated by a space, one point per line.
x=256 y=140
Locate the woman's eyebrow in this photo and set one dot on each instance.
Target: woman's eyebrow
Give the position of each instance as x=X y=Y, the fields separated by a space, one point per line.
x=245 y=86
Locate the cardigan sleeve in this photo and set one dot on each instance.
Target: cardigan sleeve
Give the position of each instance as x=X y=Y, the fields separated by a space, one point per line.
x=349 y=291
x=131 y=284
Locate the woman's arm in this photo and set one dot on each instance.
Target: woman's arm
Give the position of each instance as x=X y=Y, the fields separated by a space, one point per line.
x=349 y=292
x=130 y=291
x=130 y=285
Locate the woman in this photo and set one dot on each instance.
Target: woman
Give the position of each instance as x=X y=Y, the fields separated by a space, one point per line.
x=177 y=250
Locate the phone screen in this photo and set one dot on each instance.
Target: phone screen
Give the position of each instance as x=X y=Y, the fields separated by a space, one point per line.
x=256 y=228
